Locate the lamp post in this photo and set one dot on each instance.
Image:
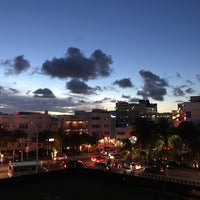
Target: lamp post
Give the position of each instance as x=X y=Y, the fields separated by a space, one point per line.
x=37 y=159
x=37 y=151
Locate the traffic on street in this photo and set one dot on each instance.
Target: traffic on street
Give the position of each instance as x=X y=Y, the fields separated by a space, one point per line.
x=90 y=161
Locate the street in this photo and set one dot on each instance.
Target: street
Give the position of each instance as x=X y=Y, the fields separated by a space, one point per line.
x=186 y=174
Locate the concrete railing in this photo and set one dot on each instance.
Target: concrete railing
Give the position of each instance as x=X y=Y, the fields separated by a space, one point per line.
x=154 y=182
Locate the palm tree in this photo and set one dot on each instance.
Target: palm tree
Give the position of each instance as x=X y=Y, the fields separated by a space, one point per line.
x=144 y=130
x=168 y=141
x=128 y=150
x=9 y=138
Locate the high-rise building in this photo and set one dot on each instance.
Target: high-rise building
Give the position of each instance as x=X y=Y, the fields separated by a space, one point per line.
x=126 y=113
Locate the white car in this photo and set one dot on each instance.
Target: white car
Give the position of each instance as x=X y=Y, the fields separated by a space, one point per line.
x=60 y=157
x=135 y=166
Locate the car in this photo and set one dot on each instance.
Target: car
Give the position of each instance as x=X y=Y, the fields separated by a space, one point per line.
x=98 y=159
x=71 y=164
x=101 y=166
x=130 y=168
x=126 y=170
x=155 y=170
x=135 y=166
x=60 y=157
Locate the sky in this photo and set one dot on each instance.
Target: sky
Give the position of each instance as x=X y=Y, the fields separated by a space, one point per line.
x=69 y=55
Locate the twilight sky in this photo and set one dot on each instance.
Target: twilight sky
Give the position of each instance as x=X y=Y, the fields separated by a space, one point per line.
x=69 y=55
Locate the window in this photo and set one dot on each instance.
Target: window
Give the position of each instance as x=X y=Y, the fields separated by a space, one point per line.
x=96 y=126
x=23 y=126
x=96 y=118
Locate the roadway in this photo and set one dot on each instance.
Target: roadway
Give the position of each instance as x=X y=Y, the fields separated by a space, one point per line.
x=186 y=174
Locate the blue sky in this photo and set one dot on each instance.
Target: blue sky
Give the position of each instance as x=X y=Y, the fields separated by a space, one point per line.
x=69 y=55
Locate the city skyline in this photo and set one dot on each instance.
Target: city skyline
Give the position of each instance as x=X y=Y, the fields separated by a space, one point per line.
x=81 y=55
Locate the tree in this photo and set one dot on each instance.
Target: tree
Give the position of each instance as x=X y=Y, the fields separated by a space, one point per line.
x=168 y=139
x=187 y=131
x=10 y=138
x=128 y=150
x=74 y=140
x=143 y=129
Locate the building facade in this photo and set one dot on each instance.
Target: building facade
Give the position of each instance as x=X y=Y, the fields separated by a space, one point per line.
x=126 y=113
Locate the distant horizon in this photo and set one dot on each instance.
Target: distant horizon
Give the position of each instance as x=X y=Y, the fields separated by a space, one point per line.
x=57 y=113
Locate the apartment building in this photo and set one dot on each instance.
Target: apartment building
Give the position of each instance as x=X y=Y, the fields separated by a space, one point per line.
x=76 y=123
x=31 y=123
x=190 y=111
x=99 y=123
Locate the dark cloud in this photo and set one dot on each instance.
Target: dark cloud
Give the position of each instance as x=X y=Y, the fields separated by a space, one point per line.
x=190 y=82
x=79 y=87
x=15 y=91
x=198 y=77
x=44 y=93
x=134 y=100
x=16 y=66
x=154 y=86
x=76 y=65
x=98 y=88
x=183 y=86
x=178 y=75
x=189 y=91
x=106 y=99
x=82 y=101
x=124 y=83
x=177 y=91
x=179 y=101
x=126 y=96
x=98 y=102
x=28 y=92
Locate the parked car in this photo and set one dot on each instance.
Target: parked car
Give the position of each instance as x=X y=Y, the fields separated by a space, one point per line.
x=101 y=166
x=156 y=170
x=71 y=164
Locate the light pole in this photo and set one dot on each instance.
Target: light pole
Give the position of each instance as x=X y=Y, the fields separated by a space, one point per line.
x=37 y=159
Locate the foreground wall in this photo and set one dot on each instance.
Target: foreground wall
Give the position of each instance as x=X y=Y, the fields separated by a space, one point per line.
x=179 y=188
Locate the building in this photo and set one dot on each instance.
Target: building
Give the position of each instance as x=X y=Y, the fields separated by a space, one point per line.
x=31 y=123
x=190 y=111
x=99 y=123
x=126 y=113
x=76 y=123
x=123 y=133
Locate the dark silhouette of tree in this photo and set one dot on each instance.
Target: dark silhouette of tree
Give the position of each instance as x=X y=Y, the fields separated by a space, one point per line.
x=74 y=140
x=143 y=129
x=128 y=150
x=187 y=131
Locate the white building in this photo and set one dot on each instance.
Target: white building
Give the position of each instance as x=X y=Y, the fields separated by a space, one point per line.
x=190 y=111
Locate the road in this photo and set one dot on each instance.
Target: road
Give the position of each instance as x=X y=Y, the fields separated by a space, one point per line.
x=185 y=174
x=3 y=171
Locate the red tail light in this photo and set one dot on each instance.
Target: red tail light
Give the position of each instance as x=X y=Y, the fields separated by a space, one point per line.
x=93 y=159
x=161 y=169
